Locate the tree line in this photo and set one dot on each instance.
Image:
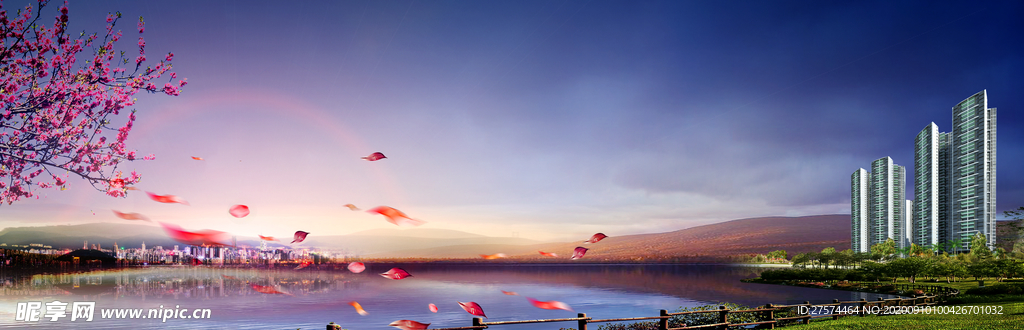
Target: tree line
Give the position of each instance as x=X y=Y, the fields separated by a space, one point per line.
x=885 y=261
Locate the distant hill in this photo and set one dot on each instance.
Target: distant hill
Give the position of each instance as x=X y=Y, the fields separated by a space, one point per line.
x=417 y=232
x=756 y=235
x=105 y=234
x=360 y=243
x=745 y=236
x=379 y=243
x=72 y=236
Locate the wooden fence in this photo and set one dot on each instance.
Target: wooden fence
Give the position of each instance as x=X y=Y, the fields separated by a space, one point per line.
x=769 y=316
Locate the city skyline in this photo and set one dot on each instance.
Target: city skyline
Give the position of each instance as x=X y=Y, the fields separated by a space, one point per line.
x=955 y=177
x=553 y=120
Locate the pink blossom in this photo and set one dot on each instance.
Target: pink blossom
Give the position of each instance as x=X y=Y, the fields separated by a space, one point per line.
x=171 y=89
x=62 y=131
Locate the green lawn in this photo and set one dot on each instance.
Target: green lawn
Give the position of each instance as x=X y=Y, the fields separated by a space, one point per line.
x=1012 y=318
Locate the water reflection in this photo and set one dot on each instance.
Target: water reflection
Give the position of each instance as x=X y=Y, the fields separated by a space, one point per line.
x=318 y=296
x=174 y=282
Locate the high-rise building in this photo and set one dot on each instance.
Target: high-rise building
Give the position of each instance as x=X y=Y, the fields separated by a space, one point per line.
x=878 y=207
x=931 y=187
x=954 y=185
x=859 y=210
x=972 y=152
x=887 y=196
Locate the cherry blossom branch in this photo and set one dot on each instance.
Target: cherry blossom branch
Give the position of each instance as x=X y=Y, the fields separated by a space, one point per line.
x=54 y=112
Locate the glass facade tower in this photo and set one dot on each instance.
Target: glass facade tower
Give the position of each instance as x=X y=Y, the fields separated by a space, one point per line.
x=972 y=152
x=955 y=186
x=931 y=148
x=859 y=211
x=887 y=203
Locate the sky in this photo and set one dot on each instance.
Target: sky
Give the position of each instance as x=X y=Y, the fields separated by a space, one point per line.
x=548 y=120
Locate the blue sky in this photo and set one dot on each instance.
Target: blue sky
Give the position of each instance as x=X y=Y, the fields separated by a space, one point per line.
x=553 y=120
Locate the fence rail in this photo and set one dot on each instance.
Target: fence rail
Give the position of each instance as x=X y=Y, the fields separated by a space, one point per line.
x=769 y=316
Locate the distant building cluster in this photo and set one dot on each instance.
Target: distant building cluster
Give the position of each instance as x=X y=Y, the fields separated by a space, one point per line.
x=954 y=185
x=216 y=255
x=34 y=248
x=188 y=254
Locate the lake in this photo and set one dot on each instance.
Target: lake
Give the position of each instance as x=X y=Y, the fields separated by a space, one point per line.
x=318 y=296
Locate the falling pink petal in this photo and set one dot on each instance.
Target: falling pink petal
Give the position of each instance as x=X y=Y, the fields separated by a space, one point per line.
x=267 y=238
x=511 y=293
x=197 y=158
x=356 y=267
x=166 y=198
x=359 y=308
x=596 y=238
x=239 y=211
x=395 y=216
x=472 y=308
x=493 y=256
x=409 y=325
x=300 y=236
x=547 y=254
x=579 y=252
x=549 y=304
x=396 y=274
x=432 y=308
x=374 y=157
x=130 y=216
x=351 y=207
x=203 y=237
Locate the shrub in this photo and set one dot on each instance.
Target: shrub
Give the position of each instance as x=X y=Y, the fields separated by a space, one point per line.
x=711 y=318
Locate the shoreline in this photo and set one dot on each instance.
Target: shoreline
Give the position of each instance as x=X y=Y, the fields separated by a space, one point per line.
x=28 y=272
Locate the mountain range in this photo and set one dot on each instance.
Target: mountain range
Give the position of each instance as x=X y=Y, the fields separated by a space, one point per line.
x=730 y=238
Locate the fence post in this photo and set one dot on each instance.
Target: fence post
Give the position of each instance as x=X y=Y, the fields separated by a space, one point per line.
x=663 y=323
x=582 y=323
x=723 y=316
x=863 y=306
x=835 y=314
x=478 y=321
x=808 y=319
x=771 y=315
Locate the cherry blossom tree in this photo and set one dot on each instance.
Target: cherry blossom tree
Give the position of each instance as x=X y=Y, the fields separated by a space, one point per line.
x=60 y=95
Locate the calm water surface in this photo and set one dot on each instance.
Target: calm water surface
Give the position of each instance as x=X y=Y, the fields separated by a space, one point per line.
x=319 y=296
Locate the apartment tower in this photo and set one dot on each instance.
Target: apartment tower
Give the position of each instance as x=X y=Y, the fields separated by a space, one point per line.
x=972 y=152
x=879 y=205
x=859 y=210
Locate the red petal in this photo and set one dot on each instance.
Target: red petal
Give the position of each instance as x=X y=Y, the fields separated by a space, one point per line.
x=579 y=252
x=356 y=267
x=239 y=211
x=472 y=308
